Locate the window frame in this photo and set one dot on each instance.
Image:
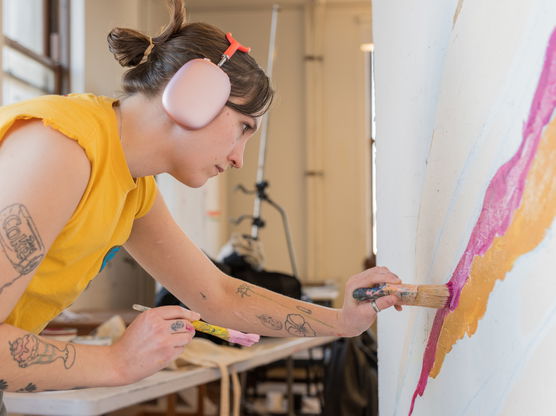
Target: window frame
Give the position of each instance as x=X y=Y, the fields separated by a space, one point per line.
x=56 y=46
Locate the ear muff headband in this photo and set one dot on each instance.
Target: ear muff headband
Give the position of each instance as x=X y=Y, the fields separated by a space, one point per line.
x=199 y=90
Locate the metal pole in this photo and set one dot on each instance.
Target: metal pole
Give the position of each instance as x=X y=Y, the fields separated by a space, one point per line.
x=288 y=235
x=264 y=126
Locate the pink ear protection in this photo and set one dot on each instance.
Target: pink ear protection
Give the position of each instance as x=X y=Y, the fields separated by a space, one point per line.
x=196 y=94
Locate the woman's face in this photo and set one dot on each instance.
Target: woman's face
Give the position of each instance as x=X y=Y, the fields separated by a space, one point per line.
x=201 y=154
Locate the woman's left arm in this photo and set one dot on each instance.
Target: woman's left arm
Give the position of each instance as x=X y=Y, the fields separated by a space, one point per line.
x=164 y=250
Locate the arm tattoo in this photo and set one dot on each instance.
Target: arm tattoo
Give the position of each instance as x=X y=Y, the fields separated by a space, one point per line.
x=20 y=241
x=3 y=385
x=304 y=309
x=244 y=290
x=270 y=322
x=29 y=388
x=297 y=326
x=30 y=350
x=247 y=290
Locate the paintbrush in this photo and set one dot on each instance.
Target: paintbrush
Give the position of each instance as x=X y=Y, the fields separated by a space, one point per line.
x=230 y=335
x=430 y=296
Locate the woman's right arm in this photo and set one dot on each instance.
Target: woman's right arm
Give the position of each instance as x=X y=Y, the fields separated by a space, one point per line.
x=43 y=175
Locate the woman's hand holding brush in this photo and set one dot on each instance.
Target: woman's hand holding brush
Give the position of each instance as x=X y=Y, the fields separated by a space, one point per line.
x=356 y=316
x=152 y=341
x=429 y=296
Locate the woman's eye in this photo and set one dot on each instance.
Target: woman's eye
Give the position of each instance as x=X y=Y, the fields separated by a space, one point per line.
x=246 y=128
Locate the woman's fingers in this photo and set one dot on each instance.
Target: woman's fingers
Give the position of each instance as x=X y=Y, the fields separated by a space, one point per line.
x=386 y=301
x=180 y=326
x=381 y=275
x=174 y=320
x=371 y=277
x=180 y=340
x=357 y=316
x=176 y=312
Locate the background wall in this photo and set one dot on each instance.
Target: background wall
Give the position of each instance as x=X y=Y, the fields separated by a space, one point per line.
x=411 y=42
x=318 y=149
x=93 y=69
x=318 y=146
x=455 y=87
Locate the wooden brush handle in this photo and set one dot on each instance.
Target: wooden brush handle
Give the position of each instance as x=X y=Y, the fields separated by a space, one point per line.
x=407 y=293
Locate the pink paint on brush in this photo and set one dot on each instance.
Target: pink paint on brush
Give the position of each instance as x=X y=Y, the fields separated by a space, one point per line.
x=240 y=338
x=502 y=198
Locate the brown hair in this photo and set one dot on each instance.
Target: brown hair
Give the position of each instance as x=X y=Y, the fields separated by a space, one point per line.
x=178 y=43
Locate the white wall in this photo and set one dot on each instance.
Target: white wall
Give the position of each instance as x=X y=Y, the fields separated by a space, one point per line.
x=94 y=69
x=411 y=42
x=318 y=124
x=455 y=84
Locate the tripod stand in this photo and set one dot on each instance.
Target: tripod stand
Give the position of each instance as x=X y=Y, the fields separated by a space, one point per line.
x=261 y=185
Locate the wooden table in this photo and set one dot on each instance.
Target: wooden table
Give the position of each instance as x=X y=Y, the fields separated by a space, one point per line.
x=86 y=321
x=97 y=401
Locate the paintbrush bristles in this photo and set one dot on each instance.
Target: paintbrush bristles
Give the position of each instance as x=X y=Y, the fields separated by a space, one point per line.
x=432 y=296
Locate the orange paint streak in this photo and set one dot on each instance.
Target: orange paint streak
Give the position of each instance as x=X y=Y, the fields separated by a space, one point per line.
x=526 y=231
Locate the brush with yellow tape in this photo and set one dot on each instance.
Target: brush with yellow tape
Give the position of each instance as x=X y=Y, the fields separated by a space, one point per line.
x=230 y=335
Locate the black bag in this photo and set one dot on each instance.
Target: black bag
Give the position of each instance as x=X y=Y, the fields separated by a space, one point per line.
x=282 y=283
x=351 y=378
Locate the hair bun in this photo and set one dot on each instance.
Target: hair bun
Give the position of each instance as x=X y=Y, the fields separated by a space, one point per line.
x=128 y=46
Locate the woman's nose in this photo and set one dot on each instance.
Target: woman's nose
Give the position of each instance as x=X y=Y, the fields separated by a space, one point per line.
x=236 y=157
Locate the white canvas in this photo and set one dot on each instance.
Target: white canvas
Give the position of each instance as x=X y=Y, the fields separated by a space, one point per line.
x=455 y=81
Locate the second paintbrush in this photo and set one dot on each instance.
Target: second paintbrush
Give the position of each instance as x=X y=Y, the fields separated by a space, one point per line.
x=231 y=335
x=431 y=296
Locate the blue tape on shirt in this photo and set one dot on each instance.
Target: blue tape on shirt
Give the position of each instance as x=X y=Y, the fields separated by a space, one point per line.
x=109 y=256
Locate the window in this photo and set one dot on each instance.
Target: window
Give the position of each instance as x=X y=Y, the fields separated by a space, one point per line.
x=368 y=48
x=36 y=48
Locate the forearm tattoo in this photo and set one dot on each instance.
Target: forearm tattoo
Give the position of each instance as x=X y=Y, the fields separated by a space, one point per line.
x=244 y=290
x=29 y=388
x=297 y=326
x=304 y=309
x=270 y=322
x=30 y=350
x=294 y=322
x=20 y=241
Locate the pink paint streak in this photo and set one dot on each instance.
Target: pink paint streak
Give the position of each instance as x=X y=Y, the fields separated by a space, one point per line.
x=502 y=198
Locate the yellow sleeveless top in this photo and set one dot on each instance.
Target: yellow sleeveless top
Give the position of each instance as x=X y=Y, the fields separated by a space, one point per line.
x=104 y=217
